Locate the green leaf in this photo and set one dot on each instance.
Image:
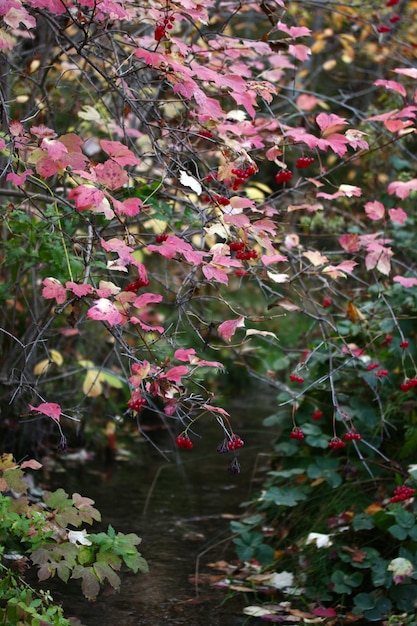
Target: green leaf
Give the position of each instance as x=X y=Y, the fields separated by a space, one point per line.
x=364 y=601
x=362 y=521
x=90 y=585
x=285 y=496
x=404 y=518
x=398 y=532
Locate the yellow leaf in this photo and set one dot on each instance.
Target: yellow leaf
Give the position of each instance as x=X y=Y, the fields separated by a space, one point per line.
x=42 y=366
x=92 y=386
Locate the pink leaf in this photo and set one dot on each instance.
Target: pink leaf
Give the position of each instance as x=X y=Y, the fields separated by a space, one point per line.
x=175 y=373
x=18 y=179
x=146 y=298
x=31 y=464
x=350 y=243
x=211 y=272
x=405 y=282
x=51 y=409
x=329 y=122
x=130 y=207
x=184 y=355
x=375 y=210
x=105 y=311
x=111 y=174
x=53 y=289
x=85 y=197
x=274 y=258
x=392 y=85
x=54 y=148
x=397 y=215
x=315 y=257
x=119 y=152
x=228 y=328
x=406 y=71
x=402 y=189
x=79 y=290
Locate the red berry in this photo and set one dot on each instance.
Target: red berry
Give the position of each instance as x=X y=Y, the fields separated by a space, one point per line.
x=382 y=373
x=372 y=366
x=304 y=162
x=159 y=32
x=136 y=402
x=134 y=287
x=296 y=379
x=387 y=340
x=235 y=443
x=336 y=443
x=284 y=176
x=352 y=435
x=210 y=177
x=161 y=238
x=391 y=3
x=317 y=414
x=394 y=18
x=326 y=303
x=222 y=200
x=236 y=245
x=402 y=493
x=296 y=433
x=184 y=442
x=404 y=344
x=382 y=28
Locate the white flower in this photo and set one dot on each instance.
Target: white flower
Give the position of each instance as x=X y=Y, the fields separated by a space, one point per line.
x=321 y=541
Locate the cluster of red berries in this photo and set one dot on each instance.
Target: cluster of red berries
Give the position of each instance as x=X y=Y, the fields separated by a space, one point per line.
x=304 y=162
x=241 y=174
x=352 y=435
x=161 y=238
x=161 y=28
x=134 y=287
x=183 y=441
x=372 y=366
x=336 y=443
x=235 y=443
x=326 y=303
x=317 y=414
x=402 y=493
x=408 y=384
x=246 y=255
x=296 y=379
x=222 y=200
x=296 y=433
x=284 y=176
x=404 y=344
x=382 y=373
x=136 y=402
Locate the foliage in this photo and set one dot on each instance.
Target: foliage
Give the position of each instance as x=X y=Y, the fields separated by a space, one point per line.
x=37 y=532
x=224 y=180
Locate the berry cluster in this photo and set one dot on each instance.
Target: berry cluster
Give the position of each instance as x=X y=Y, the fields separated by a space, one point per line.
x=161 y=28
x=402 y=493
x=408 y=384
x=304 y=162
x=236 y=246
x=222 y=200
x=241 y=174
x=246 y=255
x=296 y=379
x=161 y=238
x=317 y=414
x=382 y=373
x=183 y=441
x=372 y=366
x=352 y=435
x=326 y=303
x=336 y=443
x=296 y=433
x=134 y=287
x=404 y=344
x=284 y=176
x=235 y=443
x=136 y=402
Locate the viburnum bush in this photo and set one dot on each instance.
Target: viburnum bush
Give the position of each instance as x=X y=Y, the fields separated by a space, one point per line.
x=232 y=178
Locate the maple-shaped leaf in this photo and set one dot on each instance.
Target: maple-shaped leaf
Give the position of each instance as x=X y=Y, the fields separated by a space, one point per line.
x=52 y=288
x=18 y=179
x=399 y=216
x=405 y=282
x=315 y=257
x=130 y=207
x=119 y=152
x=402 y=189
x=213 y=272
x=174 y=374
x=340 y=270
x=228 y=328
x=378 y=257
x=51 y=409
x=329 y=123
x=103 y=571
x=55 y=148
x=105 y=311
x=79 y=290
x=111 y=174
x=392 y=85
x=292 y=31
x=171 y=247
x=375 y=210
x=90 y=585
x=146 y=298
x=350 y=242
x=88 y=197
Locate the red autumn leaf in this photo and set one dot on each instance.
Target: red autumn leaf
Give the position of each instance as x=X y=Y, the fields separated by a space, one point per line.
x=375 y=210
x=119 y=152
x=405 y=282
x=392 y=85
x=52 y=288
x=350 y=243
x=175 y=373
x=398 y=216
x=79 y=290
x=402 y=189
x=111 y=174
x=51 y=409
x=228 y=328
x=105 y=311
x=321 y=611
